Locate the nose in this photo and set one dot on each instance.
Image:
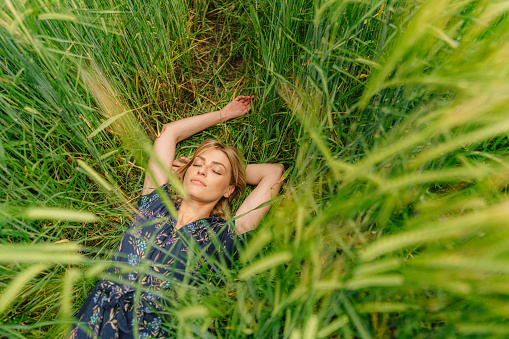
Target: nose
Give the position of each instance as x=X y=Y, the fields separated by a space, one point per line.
x=201 y=170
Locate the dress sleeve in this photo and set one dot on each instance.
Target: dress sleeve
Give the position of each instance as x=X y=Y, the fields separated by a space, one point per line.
x=229 y=239
x=145 y=201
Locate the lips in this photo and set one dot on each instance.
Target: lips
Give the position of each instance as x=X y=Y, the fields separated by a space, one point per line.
x=198 y=182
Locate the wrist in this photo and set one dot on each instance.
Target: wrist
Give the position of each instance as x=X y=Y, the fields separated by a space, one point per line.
x=223 y=117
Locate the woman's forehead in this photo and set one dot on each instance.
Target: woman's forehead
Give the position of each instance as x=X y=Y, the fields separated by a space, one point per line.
x=214 y=155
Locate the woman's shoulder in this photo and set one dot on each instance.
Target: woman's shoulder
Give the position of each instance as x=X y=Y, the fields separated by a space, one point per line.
x=227 y=231
x=156 y=204
x=162 y=192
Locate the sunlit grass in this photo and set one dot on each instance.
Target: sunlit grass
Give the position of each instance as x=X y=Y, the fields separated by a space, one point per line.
x=390 y=118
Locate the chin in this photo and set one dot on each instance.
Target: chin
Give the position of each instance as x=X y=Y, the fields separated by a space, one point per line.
x=199 y=194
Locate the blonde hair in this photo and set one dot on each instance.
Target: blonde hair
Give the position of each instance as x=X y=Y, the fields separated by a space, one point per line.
x=238 y=174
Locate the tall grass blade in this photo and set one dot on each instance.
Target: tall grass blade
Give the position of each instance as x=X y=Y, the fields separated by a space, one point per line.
x=264 y=264
x=59 y=214
x=10 y=293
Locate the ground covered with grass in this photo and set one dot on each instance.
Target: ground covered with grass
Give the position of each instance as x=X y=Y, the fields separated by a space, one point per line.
x=390 y=118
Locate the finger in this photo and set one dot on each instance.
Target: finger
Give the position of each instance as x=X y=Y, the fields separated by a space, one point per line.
x=182 y=161
x=177 y=162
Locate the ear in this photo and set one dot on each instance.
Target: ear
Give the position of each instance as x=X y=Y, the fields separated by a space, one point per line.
x=229 y=191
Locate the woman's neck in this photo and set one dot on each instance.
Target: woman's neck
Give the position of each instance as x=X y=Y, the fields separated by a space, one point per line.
x=191 y=210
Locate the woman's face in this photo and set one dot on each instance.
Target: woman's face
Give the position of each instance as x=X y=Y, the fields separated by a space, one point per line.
x=208 y=177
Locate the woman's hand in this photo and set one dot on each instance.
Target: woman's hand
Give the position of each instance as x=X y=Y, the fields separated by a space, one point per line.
x=237 y=108
x=179 y=163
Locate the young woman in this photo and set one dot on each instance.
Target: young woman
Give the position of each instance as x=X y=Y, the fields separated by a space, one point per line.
x=155 y=251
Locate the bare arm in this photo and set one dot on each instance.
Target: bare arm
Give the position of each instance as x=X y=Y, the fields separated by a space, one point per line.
x=174 y=132
x=268 y=180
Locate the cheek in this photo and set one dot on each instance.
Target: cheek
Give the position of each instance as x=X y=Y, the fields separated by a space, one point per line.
x=188 y=172
x=221 y=182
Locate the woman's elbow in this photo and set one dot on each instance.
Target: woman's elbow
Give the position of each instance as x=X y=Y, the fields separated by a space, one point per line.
x=168 y=129
x=279 y=170
x=169 y=132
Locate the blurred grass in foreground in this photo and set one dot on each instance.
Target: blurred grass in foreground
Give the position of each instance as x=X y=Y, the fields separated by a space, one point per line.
x=391 y=116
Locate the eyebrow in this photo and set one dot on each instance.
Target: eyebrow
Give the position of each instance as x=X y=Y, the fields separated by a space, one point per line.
x=214 y=162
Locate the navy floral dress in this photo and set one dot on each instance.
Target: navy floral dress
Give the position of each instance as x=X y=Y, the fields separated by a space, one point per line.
x=151 y=257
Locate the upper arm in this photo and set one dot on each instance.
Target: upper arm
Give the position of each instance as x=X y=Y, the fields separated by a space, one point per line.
x=160 y=159
x=268 y=180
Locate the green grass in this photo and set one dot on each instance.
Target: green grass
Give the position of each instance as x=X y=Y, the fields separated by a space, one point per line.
x=389 y=116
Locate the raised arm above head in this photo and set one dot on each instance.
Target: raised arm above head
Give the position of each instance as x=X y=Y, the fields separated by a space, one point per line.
x=268 y=180
x=174 y=132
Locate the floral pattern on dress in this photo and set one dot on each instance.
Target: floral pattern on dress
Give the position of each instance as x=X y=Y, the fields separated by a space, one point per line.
x=111 y=311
